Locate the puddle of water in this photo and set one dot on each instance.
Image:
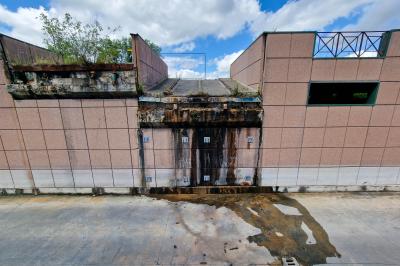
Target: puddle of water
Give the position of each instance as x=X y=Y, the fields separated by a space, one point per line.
x=310 y=237
x=287 y=228
x=287 y=210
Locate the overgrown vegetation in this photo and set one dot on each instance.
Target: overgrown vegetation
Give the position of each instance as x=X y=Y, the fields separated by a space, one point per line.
x=80 y=43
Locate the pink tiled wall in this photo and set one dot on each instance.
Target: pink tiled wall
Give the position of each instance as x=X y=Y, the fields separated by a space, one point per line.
x=151 y=68
x=297 y=135
x=247 y=68
x=67 y=143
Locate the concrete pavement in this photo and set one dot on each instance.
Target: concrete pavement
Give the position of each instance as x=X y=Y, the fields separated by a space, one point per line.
x=200 y=229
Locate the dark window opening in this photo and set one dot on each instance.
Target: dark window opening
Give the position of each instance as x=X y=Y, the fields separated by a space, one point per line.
x=345 y=93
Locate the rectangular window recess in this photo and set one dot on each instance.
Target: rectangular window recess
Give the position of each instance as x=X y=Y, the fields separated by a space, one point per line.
x=207 y=139
x=342 y=93
x=185 y=139
x=206 y=178
x=250 y=139
x=146 y=139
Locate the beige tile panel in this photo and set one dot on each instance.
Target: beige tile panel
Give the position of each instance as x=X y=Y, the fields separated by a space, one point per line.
x=299 y=70
x=372 y=156
x=394 y=46
x=338 y=116
x=278 y=45
x=164 y=158
x=330 y=156
x=292 y=137
x=48 y=103
x=76 y=139
x=273 y=116
x=25 y=103
x=394 y=137
x=270 y=157
x=313 y=137
x=29 y=118
x=59 y=159
x=17 y=159
x=376 y=136
x=247 y=157
x=391 y=157
x=163 y=138
x=323 y=69
x=121 y=159
x=70 y=103
x=132 y=117
x=94 y=117
x=334 y=137
x=118 y=139
x=396 y=116
x=97 y=138
x=79 y=159
x=351 y=156
x=294 y=116
x=382 y=115
x=5 y=98
x=116 y=117
x=369 y=69
x=302 y=45
x=51 y=118
x=34 y=139
x=355 y=136
x=72 y=118
x=296 y=94
x=100 y=159
x=272 y=137
x=39 y=159
x=276 y=70
x=310 y=157
x=92 y=103
x=346 y=69
x=3 y=161
x=274 y=93
x=12 y=139
x=390 y=69
x=289 y=157
x=9 y=119
x=316 y=116
x=359 y=115
x=55 y=139
x=388 y=93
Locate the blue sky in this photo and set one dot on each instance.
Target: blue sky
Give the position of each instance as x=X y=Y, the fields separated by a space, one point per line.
x=220 y=28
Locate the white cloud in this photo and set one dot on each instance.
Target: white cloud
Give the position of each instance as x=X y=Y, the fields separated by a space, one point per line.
x=223 y=64
x=164 y=22
x=185 y=47
x=380 y=15
x=306 y=15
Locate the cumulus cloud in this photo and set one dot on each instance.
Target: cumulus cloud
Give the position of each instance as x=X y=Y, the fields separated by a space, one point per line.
x=223 y=64
x=306 y=15
x=164 y=22
x=185 y=47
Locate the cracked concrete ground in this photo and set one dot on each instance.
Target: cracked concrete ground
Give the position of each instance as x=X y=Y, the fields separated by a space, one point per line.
x=200 y=229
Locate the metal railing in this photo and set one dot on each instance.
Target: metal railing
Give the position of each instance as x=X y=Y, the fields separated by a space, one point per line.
x=351 y=44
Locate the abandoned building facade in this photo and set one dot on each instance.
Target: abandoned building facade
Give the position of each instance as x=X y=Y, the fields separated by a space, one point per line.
x=302 y=111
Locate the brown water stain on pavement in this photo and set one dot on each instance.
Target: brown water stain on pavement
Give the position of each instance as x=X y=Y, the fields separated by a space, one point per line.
x=281 y=234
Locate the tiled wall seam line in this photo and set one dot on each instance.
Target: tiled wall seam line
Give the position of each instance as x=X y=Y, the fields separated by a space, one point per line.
x=108 y=142
x=8 y=165
x=65 y=137
x=384 y=150
x=284 y=109
x=87 y=144
x=45 y=145
x=246 y=67
x=24 y=146
x=129 y=142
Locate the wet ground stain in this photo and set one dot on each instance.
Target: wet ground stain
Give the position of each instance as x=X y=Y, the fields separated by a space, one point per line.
x=281 y=234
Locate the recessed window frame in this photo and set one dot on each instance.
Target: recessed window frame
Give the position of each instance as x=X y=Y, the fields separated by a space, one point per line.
x=371 y=102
